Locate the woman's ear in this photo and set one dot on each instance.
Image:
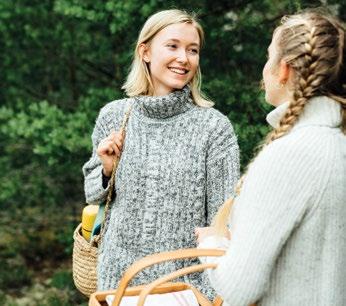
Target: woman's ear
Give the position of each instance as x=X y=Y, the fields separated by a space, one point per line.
x=285 y=72
x=144 y=52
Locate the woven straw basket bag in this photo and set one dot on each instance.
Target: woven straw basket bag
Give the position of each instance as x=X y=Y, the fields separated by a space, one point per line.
x=84 y=263
x=84 y=257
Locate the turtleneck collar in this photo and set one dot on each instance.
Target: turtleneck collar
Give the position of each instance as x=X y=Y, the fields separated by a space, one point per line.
x=321 y=111
x=161 y=107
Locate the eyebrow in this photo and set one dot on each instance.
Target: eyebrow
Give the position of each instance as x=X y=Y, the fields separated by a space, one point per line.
x=177 y=40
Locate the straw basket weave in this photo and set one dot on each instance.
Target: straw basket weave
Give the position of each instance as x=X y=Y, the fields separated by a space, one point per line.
x=84 y=263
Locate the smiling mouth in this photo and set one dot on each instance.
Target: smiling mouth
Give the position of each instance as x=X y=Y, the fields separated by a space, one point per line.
x=180 y=71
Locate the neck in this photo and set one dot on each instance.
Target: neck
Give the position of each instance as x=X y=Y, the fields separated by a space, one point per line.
x=159 y=92
x=283 y=99
x=320 y=111
x=166 y=106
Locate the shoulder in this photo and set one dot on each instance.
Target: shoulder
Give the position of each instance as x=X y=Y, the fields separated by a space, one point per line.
x=303 y=148
x=302 y=162
x=221 y=138
x=214 y=119
x=110 y=117
x=114 y=109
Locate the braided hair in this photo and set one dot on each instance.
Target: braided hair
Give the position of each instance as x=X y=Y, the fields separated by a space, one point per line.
x=313 y=45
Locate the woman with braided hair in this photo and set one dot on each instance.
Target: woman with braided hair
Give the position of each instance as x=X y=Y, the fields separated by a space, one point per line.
x=288 y=222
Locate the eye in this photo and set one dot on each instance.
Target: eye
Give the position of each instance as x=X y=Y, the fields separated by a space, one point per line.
x=194 y=51
x=172 y=46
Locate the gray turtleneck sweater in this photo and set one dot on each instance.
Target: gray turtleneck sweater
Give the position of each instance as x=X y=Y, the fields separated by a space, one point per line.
x=179 y=163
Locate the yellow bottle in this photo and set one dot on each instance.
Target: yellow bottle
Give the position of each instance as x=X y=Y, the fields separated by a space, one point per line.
x=88 y=218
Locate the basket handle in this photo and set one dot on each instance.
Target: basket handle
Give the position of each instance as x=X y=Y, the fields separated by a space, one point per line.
x=98 y=240
x=153 y=259
x=196 y=268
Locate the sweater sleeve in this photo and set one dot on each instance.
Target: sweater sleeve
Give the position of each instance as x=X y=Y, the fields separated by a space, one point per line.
x=92 y=169
x=279 y=190
x=222 y=167
x=96 y=186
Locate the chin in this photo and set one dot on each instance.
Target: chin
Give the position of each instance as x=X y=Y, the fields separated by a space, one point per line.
x=178 y=85
x=270 y=101
x=178 y=82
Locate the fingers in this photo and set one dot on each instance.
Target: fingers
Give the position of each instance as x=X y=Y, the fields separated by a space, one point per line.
x=118 y=141
x=114 y=149
x=105 y=147
x=117 y=138
x=112 y=144
x=198 y=234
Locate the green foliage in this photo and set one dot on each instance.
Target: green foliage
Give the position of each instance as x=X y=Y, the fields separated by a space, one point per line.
x=32 y=251
x=60 y=62
x=62 y=279
x=45 y=233
x=13 y=273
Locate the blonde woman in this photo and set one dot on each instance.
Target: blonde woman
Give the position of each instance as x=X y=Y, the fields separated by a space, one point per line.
x=179 y=159
x=288 y=223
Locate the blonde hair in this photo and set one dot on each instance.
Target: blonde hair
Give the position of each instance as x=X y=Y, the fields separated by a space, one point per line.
x=313 y=44
x=139 y=81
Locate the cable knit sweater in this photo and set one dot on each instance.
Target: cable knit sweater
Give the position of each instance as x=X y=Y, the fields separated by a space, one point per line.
x=179 y=163
x=288 y=225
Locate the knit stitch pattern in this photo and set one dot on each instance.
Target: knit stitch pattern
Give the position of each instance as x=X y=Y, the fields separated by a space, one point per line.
x=288 y=226
x=179 y=163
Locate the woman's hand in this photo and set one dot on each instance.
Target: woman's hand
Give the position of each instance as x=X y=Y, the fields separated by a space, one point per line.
x=110 y=148
x=204 y=232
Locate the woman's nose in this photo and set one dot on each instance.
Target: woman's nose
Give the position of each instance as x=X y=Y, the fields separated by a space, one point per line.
x=182 y=58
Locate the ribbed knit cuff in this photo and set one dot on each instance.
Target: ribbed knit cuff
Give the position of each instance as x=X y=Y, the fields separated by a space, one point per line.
x=94 y=189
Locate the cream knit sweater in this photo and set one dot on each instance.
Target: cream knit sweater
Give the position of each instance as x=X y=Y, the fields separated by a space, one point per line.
x=288 y=226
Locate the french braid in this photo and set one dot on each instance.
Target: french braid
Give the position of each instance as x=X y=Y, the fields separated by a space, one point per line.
x=313 y=45
x=306 y=82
